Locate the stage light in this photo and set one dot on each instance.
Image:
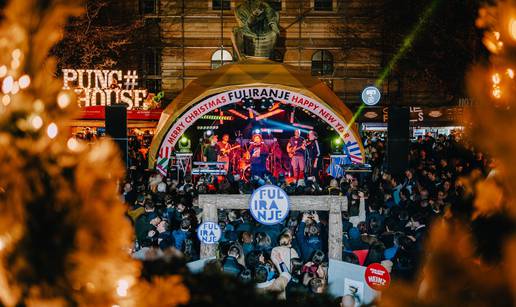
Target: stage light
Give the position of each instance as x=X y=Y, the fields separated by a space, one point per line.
x=337 y=145
x=270 y=130
x=185 y=145
x=303 y=126
x=269 y=114
x=248 y=103
x=236 y=113
x=209 y=133
x=266 y=103
x=257 y=131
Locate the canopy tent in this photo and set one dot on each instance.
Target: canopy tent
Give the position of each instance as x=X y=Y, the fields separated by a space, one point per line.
x=253 y=72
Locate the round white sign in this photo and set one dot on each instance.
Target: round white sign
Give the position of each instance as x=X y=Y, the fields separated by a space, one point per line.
x=209 y=233
x=371 y=95
x=269 y=205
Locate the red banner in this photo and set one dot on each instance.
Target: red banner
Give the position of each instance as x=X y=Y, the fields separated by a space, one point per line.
x=98 y=112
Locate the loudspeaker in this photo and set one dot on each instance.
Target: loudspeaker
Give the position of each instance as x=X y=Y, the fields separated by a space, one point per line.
x=398 y=140
x=116 y=127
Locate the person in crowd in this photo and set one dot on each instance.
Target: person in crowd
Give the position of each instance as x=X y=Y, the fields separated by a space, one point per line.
x=309 y=237
x=275 y=285
x=285 y=250
x=182 y=234
x=164 y=238
x=146 y=222
x=386 y=221
x=230 y=264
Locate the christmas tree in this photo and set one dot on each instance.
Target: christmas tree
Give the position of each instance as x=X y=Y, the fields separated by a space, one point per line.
x=469 y=257
x=64 y=239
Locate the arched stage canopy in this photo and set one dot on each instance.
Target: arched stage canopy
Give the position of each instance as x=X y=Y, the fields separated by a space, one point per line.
x=256 y=78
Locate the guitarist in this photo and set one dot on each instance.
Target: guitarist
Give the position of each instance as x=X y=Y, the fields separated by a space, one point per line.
x=296 y=147
x=224 y=150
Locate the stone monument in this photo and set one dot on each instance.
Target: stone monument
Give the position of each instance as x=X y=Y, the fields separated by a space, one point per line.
x=258 y=29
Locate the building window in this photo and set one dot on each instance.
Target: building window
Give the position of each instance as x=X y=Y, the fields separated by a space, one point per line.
x=220 y=57
x=152 y=62
x=221 y=4
x=322 y=63
x=275 y=4
x=323 y=5
x=152 y=69
x=153 y=85
x=149 y=7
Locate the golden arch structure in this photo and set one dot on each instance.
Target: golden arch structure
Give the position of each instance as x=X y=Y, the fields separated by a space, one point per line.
x=255 y=78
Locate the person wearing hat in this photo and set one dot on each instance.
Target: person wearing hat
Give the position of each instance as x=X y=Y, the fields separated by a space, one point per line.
x=258 y=152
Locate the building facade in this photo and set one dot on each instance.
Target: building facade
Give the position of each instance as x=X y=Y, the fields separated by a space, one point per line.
x=337 y=41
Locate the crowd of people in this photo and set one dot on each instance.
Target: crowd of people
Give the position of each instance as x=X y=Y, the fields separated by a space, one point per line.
x=386 y=222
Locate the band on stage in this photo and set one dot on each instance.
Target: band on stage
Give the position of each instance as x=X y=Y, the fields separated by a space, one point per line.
x=298 y=159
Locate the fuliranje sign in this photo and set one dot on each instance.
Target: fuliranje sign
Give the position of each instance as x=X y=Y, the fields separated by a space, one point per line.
x=269 y=205
x=104 y=87
x=209 y=104
x=209 y=233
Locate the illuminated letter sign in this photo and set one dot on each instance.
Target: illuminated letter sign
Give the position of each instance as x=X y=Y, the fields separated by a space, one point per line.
x=104 y=87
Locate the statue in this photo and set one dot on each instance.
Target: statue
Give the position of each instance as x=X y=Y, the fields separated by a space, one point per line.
x=257 y=29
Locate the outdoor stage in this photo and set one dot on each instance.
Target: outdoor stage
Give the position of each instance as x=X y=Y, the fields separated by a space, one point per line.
x=254 y=96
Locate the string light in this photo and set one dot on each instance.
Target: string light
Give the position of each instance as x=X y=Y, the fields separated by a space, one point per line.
x=15 y=64
x=16 y=54
x=73 y=144
x=510 y=73
x=63 y=100
x=497 y=92
x=24 y=81
x=512 y=28
x=7 y=85
x=52 y=130
x=6 y=100
x=16 y=88
x=36 y=121
x=496 y=78
x=3 y=71
x=122 y=286
x=39 y=106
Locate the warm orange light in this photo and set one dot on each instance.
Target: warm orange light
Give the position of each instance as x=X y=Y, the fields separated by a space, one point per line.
x=512 y=28
x=24 y=81
x=497 y=92
x=510 y=73
x=63 y=100
x=496 y=78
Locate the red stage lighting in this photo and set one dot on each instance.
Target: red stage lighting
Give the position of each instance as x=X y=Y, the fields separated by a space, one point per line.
x=269 y=114
x=303 y=126
x=236 y=113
